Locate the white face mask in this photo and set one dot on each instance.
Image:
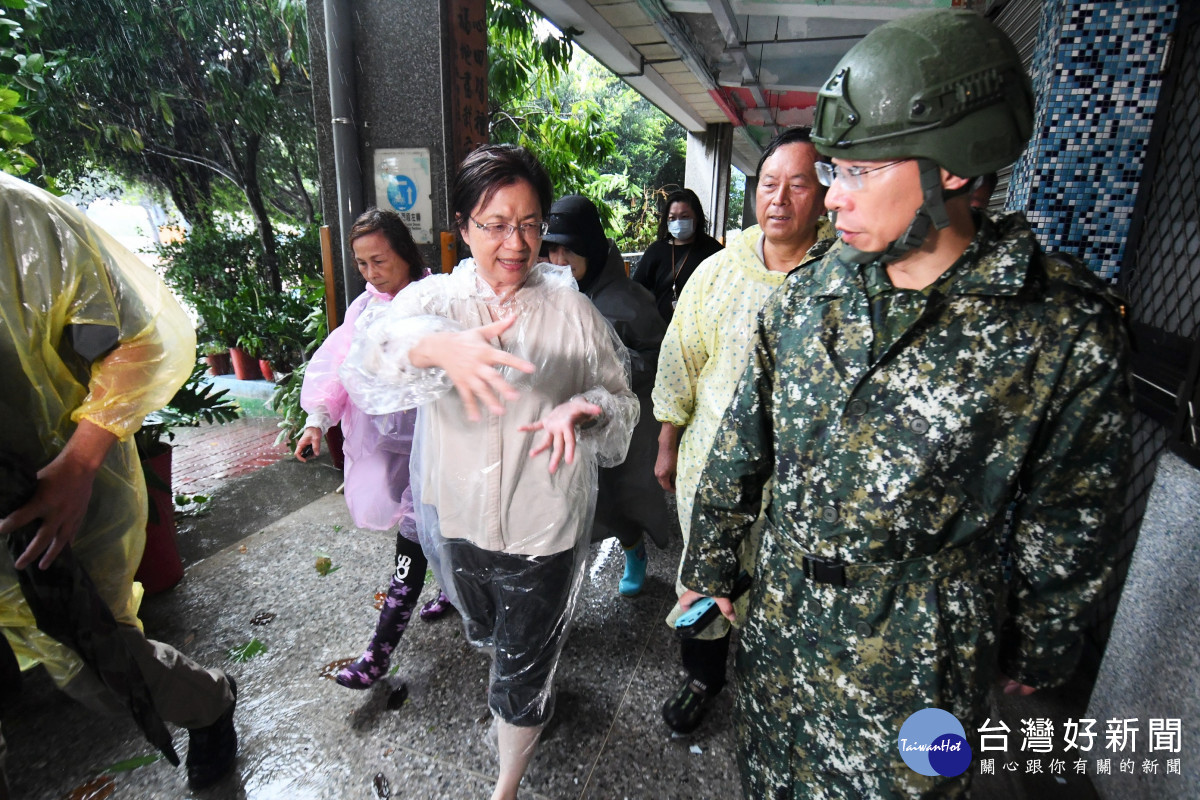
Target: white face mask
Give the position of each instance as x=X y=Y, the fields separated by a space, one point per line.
x=681 y=228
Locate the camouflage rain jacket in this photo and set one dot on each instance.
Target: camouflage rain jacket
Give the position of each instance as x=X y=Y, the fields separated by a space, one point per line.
x=899 y=427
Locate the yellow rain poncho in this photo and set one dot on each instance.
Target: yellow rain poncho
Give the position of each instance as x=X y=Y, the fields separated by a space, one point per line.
x=87 y=331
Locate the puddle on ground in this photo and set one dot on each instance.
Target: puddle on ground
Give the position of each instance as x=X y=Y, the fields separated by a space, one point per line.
x=380 y=599
x=95 y=789
x=330 y=670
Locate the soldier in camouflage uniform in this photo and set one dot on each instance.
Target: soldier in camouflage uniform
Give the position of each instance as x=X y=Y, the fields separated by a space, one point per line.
x=936 y=368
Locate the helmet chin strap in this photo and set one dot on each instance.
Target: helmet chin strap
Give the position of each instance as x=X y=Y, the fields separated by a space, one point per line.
x=932 y=212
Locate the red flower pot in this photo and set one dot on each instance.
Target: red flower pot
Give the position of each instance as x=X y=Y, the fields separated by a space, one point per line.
x=264 y=367
x=334 y=439
x=161 y=567
x=245 y=366
x=219 y=364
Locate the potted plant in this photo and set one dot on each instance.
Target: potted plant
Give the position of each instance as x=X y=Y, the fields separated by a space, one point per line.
x=194 y=403
x=216 y=355
x=286 y=400
x=273 y=326
x=242 y=317
x=219 y=271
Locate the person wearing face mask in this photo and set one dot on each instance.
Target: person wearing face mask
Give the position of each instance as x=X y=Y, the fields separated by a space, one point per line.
x=681 y=245
x=377 y=448
x=629 y=503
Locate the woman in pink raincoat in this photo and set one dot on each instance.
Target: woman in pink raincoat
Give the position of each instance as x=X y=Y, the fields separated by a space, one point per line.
x=377 y=448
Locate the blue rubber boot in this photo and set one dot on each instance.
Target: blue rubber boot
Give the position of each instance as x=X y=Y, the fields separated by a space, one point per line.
x=635 y=570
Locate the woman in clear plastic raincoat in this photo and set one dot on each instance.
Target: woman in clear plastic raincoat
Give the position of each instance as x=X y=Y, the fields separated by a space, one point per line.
x=505 y=493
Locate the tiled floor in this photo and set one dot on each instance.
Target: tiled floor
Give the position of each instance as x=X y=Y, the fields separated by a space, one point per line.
x=208 y=456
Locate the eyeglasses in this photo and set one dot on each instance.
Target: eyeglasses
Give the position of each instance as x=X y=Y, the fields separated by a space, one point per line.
x=500 y=231
x=851 y=177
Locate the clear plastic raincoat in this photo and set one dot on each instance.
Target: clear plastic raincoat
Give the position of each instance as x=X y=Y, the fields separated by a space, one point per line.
x=88 y=332
x=484 y=507
x=376 y=448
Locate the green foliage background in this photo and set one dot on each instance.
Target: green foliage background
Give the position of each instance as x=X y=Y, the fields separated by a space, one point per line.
x=209 y=102
x=592 y=132
x=16 y=24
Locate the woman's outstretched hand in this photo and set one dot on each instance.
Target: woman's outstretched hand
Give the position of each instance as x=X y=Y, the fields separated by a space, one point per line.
x=471 y=363
x=559 y=429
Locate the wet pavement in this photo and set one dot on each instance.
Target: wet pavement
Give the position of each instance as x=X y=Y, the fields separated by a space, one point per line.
x=253 y=555
x=303 y=736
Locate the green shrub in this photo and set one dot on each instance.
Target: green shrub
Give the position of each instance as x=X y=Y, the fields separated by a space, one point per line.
x=219 y=272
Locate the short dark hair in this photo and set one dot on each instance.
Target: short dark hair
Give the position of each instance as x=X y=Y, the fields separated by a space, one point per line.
x=389 y=223
x=682 y=196
x=798 y=135
x=491 y=167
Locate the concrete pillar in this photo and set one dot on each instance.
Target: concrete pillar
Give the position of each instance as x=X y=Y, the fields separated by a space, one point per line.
x=706 y=173
x=420 y=97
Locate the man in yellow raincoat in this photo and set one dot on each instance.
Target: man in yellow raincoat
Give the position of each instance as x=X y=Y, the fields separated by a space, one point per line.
x=90 y=342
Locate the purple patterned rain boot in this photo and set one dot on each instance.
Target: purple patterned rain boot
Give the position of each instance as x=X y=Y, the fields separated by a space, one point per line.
x=403 y=592
x=436 y=608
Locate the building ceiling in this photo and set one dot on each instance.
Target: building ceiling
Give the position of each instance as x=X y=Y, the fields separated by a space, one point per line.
x=754 y=63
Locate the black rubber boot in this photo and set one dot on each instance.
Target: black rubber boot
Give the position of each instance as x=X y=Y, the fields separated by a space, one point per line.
x=212 y=749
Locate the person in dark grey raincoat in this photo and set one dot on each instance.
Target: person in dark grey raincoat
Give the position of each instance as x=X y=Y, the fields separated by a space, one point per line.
x=630 y=503
x=935 y=370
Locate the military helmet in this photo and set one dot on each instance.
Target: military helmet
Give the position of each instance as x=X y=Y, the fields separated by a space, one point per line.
x=944 y=85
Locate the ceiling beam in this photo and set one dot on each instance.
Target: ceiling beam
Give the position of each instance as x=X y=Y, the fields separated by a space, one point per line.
x=607 y=45
x=804 y=8
x=726 y=21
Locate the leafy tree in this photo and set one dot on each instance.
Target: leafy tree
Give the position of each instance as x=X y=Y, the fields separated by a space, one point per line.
x=648 y=162
x=527 y=60
x=15 y=25
x=737 y=198
x=210 y=101
x=594 y=134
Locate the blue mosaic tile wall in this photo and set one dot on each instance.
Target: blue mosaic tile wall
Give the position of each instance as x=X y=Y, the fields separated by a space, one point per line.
x=1095 y=72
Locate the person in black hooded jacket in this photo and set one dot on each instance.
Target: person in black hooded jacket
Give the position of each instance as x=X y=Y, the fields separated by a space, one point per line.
x=630 y=503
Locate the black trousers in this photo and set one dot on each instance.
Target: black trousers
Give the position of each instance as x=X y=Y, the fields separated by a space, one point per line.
x=520 y=606
x=704 y=660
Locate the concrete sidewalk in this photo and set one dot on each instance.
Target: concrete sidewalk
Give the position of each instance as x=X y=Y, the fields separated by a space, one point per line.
x=303 y=736
x=252 y=557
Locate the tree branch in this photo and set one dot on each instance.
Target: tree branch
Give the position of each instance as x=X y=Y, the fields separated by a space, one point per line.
x=207 y=163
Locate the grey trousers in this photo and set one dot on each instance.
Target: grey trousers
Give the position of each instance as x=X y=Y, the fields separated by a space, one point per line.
x=185 y=693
